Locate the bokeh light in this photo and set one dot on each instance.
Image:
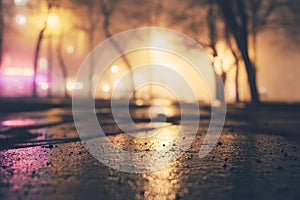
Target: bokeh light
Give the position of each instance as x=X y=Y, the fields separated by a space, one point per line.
x=21 y=19
x=74 y=85
x=70 y=49
x=20 y=2
x=44 y=85
x=114 y=69
x=53 y=22
x=105 y=88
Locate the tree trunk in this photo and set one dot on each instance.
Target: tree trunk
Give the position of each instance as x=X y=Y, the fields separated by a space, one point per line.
x=37 y=53
x=236 y=23
x=106 y=23
x=91 y=65
x=62 y=64
x=124 y=58
x=49 y=68
x=92 y=28
x=254 y=47
x=36 y=56
x=251 y=72
x=237 y=65
x=237 y=93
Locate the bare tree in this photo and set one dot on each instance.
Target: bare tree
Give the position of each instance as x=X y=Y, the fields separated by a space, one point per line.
x=37 y=51
x=59 y=53
x=50 y=66
x=236 y=21
x=107 y=8
x=211 y=18
x=237 y=67
x=202 y=21
x=62 y=62
x=244 y=20
x=212 y=21
x=287 y=18
x=90 y=26
x=260 y=18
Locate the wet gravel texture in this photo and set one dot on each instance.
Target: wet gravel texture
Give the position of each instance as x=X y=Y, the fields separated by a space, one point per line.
x=256 y=157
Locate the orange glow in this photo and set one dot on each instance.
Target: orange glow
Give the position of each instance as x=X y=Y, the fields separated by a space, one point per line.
x=53 y=21
x=150 y=90
x=226 y=59
x=18 y=71
x=139 y=102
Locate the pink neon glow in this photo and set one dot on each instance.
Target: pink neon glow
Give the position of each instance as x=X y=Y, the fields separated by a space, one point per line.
x=18 y=122
x=18 y=71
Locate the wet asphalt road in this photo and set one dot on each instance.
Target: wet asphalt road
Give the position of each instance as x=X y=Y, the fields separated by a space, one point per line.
x=256 y=157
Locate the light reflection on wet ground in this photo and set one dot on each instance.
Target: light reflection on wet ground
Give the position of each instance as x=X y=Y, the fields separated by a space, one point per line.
x=255 y=158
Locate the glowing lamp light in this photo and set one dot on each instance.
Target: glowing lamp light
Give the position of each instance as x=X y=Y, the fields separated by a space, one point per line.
x=105 y=88
x=53 y=21
x=74 y=86
x=21 y=20
x=114 y=69
x=20 y=2
x=262 y=90
x=69 y=86
x=44 y=85
x=70 y=49
x=218 y=65
x=216 y=103
x=18 y=71
x=139 y=102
